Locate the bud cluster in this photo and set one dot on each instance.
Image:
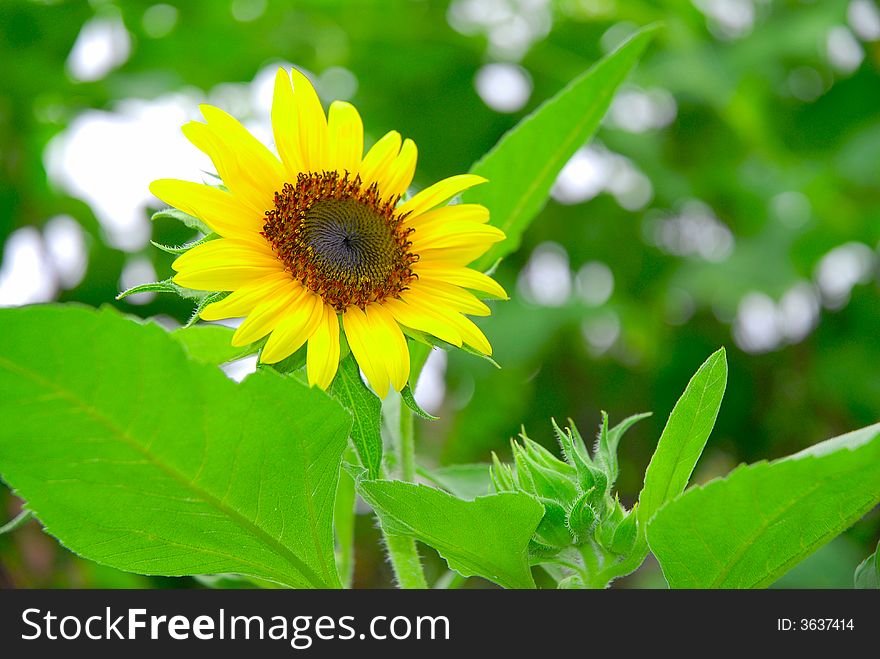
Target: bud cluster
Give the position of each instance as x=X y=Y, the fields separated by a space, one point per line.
x=577 y=492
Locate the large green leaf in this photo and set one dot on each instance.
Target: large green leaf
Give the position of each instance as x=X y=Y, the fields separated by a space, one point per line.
x=684 y=437
x=365 y=408
x=486 y=537
x=522 y=167
x=212 y=344
x=134 y=456
x=748 y=529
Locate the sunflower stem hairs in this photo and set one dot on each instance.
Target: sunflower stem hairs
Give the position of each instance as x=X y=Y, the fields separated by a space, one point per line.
x=318 y=242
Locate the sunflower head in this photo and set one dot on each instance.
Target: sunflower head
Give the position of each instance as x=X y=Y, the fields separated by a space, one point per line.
x=317 y=240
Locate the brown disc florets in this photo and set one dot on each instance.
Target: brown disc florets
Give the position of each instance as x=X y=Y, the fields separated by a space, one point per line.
x=340 y=239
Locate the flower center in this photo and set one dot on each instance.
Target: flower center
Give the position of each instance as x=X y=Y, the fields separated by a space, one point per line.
x=340 y=240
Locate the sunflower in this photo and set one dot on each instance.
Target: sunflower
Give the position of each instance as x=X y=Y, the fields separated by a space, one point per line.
x=318 y=242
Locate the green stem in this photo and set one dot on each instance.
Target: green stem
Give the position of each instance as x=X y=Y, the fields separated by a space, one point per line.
x=407 y=445
x=402 y=550
x=622 y=568
x=343 y=518
x=405 y=561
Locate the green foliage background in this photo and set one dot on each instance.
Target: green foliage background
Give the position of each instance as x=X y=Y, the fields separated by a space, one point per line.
x=741 y=137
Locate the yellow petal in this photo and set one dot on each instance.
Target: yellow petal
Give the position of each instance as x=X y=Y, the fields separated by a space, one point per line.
x=285 y=125
x=266 y=315
x=464 y=277
x=399 y=174
x=422 y=318
x=218 y=209
x=226 y=251
x=299 y=322
x=445 y=214
x=346 y=138
x=439 y=192
x=449 y=295
x=454 y=257
x=247 y=167
x=471 y=334
x=453 y=235
x=224 y=265
x=222 y=277
x=311 y=123
x=379 y=158
x=242 y=301
x=391 y=343
x=360 y=338
x=322 y=356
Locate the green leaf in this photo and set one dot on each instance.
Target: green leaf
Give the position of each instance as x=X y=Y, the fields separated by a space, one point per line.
x=136 y=457
x=522 y=167
x=365 y=408
x=464 y=481
x=180 y=249
x=609 y=440
x=486 y=537
x=410 y=400
x=212 y=344
x=867 y=574
x=165 y=286
x=748 y=529
x=184 y=218
x=684 y=437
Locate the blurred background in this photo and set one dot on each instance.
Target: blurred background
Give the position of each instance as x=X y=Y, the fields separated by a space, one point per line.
x=732 y=197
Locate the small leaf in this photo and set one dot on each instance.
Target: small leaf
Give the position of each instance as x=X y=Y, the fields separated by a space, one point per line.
x=434 y=342
x=137 y=457
x=522 y=167
x=749 y=528
x=365 y=408
x=410 y=400
x=684 y=437
x=180 y=249
x=867 y=574
x=179 y=216
x=486 y=537
x=212 y=344
x=165 y=286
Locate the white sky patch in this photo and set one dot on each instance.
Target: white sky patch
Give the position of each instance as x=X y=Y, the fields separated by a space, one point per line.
x=66 y=246
x=546 y=279
x=594 y=283
x=693 y=231
x=510 y=26
x=431 y=387
x=728 y=19
x=26 y=276
x=841 y=269
x=136 y=271
x=109 y=159
x=640 y=110
x=844 y=51
x=594 y=169
x=240 y=368
x=503 y=87
x=601 y=332
x=762 y=325
x=102 y=45
x=864 y=18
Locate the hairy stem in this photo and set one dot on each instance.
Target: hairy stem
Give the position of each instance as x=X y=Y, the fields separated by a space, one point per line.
x=402 y=550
